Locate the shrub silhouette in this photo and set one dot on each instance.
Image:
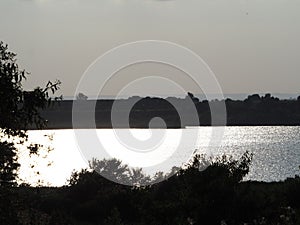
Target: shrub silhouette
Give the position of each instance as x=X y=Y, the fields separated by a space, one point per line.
x=217 y=195
x=19 y=109
x=191 y=192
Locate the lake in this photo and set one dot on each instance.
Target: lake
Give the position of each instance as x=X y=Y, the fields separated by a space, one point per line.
x=276 y=150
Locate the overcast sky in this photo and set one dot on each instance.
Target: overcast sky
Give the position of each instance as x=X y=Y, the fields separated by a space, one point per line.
x=251 y=46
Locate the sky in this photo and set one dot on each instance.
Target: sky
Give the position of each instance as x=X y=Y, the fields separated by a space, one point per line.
x=252 y=46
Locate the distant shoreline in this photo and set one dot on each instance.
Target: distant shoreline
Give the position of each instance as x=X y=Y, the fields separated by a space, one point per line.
x=255 y=110
x=176 y=128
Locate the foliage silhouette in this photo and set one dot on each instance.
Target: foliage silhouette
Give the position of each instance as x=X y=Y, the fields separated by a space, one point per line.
x=217 y=195
x=19 y=109
x=114 y=170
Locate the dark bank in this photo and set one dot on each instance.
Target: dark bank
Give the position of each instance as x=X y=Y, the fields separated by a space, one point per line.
x=255 y=110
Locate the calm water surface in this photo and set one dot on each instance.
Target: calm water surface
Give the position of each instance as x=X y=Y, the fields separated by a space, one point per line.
x=276 y=151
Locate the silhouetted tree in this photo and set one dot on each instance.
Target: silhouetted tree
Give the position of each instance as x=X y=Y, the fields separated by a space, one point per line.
x=268 y=96
x=19 y=109
x=253 y=98
x=191 y=96
x=81 y=96
x=189 y=195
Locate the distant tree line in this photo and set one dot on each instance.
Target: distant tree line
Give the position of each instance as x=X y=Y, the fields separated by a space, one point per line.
x=254 y=110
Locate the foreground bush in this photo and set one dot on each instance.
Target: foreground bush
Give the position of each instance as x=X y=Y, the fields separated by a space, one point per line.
x=216 y=195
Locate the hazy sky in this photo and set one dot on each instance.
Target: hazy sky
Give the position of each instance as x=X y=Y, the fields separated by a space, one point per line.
x=251 y=45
